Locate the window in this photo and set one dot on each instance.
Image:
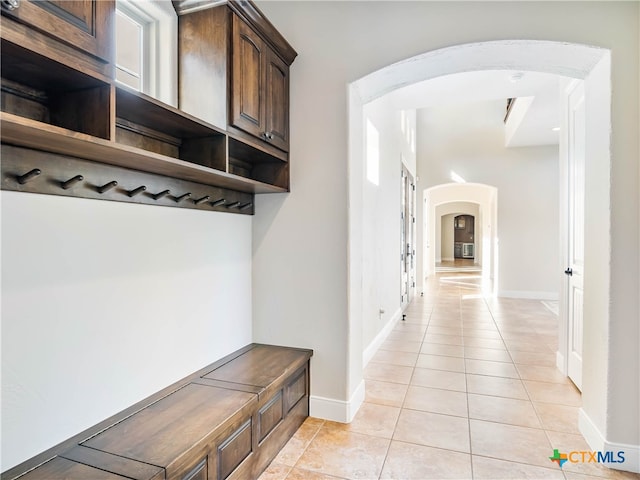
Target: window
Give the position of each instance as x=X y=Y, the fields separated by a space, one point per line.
x=129 y=50
x=147 y=46
x=373 y=153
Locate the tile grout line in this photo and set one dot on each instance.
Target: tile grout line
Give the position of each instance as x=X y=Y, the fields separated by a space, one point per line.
x=386 y=456
x=466 y=387
x=546 y=433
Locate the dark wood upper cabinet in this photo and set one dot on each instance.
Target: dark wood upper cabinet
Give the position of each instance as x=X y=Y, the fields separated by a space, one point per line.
x=277 y=101
x=260 y=88
x=248 y=85
x=234 y=73
x=246 y=62
x=83 y=24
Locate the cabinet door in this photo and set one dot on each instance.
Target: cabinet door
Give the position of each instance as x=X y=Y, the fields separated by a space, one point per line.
x=247 y=110
x=277 y=101
x=83 y=24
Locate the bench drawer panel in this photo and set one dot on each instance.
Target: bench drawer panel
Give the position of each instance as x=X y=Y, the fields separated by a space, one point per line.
x=296 y=388
x=270 y=415
x=234 y=450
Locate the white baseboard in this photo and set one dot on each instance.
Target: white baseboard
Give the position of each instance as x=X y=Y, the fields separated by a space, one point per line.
x=597 y=442
x=532 y=295
x=560 y=362
x=337 y=410
x=373 y=347
x=447 y=259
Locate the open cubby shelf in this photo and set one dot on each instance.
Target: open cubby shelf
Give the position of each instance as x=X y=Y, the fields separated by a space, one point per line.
x=50 y=107
x=24 y=132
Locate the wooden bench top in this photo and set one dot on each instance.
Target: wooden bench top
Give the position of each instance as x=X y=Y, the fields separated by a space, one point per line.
x=160 y=437
x=163 y=431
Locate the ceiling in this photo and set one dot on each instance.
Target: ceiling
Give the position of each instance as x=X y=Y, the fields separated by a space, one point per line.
x=535 y=114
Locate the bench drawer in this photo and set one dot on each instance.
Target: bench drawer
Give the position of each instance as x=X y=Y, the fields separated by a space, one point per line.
x=270 y=415
x=296 y=388
x=234 y=450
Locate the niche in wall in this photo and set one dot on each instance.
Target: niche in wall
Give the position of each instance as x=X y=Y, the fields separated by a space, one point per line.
x=464 y=236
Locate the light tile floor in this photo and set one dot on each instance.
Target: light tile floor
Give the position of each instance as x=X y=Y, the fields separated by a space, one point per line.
x=462 y=389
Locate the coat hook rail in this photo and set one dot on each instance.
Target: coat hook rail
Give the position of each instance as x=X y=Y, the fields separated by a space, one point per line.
x=182 y=197
x=32 y=171
x=163 y=193
x=107 y=186
x=71 y=182
x=136 y=191
x=22 y=179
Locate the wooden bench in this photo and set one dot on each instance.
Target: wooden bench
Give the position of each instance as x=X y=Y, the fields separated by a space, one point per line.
x=227 y=421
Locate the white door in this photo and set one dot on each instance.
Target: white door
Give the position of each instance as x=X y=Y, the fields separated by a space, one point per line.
x=404 y=288
x=575 y=255
x=407 y=244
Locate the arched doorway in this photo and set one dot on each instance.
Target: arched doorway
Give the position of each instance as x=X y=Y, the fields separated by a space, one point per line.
x=591 y=64
x=486 y=198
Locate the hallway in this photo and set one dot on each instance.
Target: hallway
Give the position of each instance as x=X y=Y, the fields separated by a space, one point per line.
x=462 y=389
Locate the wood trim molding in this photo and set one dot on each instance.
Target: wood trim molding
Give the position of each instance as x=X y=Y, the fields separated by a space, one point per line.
x=252 y=15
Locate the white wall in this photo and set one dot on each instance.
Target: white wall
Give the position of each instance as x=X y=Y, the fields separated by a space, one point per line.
x=105 y=303
x=311 y=223
x=445 y=240
x=468 y=139
x=382 y=226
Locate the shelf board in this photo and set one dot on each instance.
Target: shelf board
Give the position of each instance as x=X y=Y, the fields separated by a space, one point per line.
x=28 y=133
x=145 y=110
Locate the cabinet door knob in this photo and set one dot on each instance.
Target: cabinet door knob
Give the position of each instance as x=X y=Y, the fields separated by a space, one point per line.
x=10 y=4
x=267 y=135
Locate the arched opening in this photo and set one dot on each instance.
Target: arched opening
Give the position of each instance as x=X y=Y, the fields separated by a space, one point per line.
x=570 y=60
x=445 y=200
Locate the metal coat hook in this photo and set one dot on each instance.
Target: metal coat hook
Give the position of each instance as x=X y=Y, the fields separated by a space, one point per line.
x=107 y=186
x=182 y=197
x=53 y=174
x=71 y=182
x=22 y=179
x=136 y=191
x=163 y=193
x=201 y=200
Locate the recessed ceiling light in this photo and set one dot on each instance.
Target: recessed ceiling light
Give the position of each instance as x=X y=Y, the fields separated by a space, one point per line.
x=516 y=77
x=556 y=129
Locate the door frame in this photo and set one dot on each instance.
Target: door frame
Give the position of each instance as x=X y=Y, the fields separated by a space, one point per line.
x=408 y=240
x=568 y=88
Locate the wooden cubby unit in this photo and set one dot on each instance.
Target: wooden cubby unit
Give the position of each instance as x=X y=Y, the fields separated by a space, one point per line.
x=146 y=123
x=249 y=162
x=41 y=89
x=60 y=96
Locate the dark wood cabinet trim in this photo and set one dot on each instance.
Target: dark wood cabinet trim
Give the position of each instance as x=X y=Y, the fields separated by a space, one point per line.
x=252 y=15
